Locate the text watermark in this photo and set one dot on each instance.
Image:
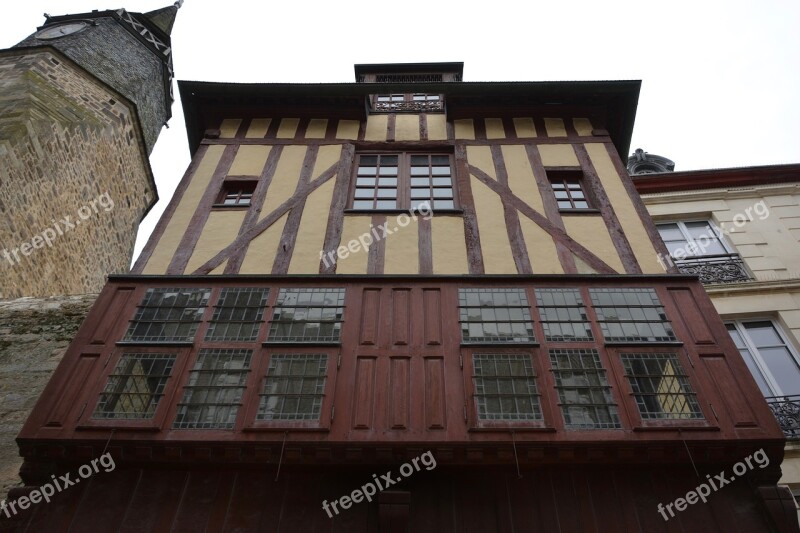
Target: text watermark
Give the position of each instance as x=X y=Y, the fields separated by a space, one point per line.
x=703 y=490
x=59 y=227
x=57 y=484
x=371 y=488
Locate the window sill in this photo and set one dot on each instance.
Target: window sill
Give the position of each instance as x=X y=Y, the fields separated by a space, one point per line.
x=234 y=207
x=284 y=428
x=667 y=425
x=508 y=428
x=613 y=344
x=579 y=211
x=418 y=213
x=301 y=343
x=116 y=425
x=155 y=343
x=505 y=344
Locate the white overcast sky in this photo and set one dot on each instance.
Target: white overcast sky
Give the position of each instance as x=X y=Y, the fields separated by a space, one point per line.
x=720 y=79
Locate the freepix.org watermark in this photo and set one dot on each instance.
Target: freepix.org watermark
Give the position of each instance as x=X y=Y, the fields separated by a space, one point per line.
x=371 y=488
x=376 y=233
x=47 y=236
x=700 y=244
x=702 y=492
x=57 y=484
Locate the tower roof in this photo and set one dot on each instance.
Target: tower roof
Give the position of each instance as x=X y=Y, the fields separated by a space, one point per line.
x=164 y=18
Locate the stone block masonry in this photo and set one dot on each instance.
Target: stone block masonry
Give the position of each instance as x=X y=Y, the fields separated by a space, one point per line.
x=34 y=334
x=65 y=139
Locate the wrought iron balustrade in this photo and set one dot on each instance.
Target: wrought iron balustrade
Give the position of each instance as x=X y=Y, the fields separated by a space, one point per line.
x=720 y=268
x=415 y=106
x=787 y=411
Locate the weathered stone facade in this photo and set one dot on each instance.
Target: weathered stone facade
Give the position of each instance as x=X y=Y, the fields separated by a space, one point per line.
x=70 y=147
x=34 y=334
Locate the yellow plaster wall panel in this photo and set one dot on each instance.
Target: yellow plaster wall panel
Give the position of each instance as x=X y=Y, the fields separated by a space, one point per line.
x=249 y=160
x=284 y=182
x=520 y=176
x=555 y=127
x=288 y=128
x=481 y=157
x=558 y=155
x=449 y=245
x=583 y=126
x=524 y=127
x=168 y=243
x=220 y=270
x=406 y=128
x=494 y=128
x=261 y=252
x=629 y=219
x=377 y=127
x=582 y=266
x=437 y=127
x=541 y=248
x=311 y=233
x=316 y=128
x=220 y=230
x=354 y=226
x=464 y=129
x=258 y=128
x=591 y=232
x=327 y=156
x=347 y=129
x=402 y=247
x=497 y=257
x=229 y=127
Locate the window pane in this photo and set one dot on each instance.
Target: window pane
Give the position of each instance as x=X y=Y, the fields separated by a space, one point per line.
x=135 y=387
x=238 y=314
x=361 y=204
x=763 y=334
x=583 y=390
x=631 y=315
x=307 y=315
x=670 y=232
x=505 y=387
x=660 y=386
x=294 y=387
x=386 y=204
x=489 y=319
x=168 y=315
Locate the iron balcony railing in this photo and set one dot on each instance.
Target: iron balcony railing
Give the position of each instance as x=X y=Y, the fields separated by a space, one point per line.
x=720 y=268
x=787 y=411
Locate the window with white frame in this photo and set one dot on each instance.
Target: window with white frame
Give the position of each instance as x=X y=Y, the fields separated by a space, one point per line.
x=696 y=238
x=774 y=363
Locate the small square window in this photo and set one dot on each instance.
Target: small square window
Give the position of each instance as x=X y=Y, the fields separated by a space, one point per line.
x=238 y=314
x=568 y=189
x=236 y=193
x=631 y=315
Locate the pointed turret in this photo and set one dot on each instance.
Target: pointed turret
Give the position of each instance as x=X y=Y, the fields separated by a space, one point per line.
x=164 y=18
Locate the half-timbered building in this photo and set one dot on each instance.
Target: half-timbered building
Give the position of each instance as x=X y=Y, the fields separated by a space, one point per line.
x=352 y=276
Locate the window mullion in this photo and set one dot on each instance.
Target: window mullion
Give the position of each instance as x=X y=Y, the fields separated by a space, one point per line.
x=404 y=180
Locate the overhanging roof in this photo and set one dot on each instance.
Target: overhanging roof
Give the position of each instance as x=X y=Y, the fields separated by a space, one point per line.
x=205 y=102
x=690 y=180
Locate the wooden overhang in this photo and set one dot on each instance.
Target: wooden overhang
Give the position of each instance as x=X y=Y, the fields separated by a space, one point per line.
x=689 y=180
x=611 y=102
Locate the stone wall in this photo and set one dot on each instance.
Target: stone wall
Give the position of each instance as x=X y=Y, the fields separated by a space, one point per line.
x=34 y=334
x=69 y=148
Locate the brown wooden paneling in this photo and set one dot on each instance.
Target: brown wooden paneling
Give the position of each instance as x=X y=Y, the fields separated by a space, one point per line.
x=435 y=393
x=370 y=316
x=729 y=390
x=118 y=303
x=104 y=502
x=364 y=393
x=693 y=319
x=432 y=301
x=401 y=316
x=72 y=388
x=399 y=389
x=155 y=509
